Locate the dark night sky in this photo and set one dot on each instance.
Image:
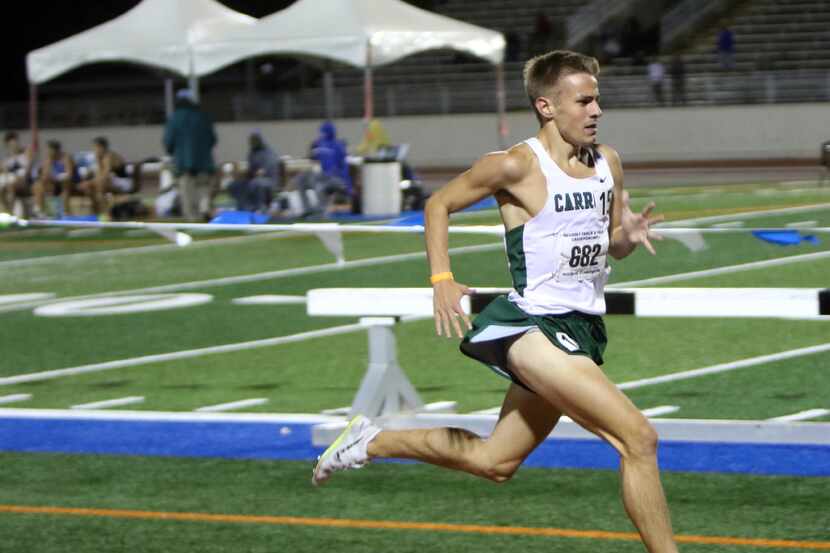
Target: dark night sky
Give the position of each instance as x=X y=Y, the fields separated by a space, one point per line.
x=64 y=19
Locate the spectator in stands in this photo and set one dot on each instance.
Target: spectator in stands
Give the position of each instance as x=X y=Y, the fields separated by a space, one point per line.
x=261 y=181
x=190 y=137
x=331 y=152
x=58 y=177
x=374 y=138
x=726 y=48
x=109 y=174
x=656 y=76
x=377 y=144
x=331 y=184
x=15 y=172
x=678 y=80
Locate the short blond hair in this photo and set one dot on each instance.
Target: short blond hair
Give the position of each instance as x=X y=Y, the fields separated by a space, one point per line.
x=542 y=72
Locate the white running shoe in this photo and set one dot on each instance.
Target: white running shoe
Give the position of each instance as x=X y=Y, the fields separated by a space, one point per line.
x=347 y=452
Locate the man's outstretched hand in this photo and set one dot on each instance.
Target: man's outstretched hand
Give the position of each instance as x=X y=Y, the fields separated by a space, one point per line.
x=637 y=226
x=446 y=301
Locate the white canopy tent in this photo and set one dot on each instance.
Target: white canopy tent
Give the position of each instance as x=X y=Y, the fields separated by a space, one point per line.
x=170 y=34
x=363 y=34
x=196 y=37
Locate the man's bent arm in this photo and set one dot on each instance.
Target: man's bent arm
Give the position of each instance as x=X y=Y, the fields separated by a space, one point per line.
x=489 y=175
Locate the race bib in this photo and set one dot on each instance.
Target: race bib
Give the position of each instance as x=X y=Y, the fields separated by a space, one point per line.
x=581 y=255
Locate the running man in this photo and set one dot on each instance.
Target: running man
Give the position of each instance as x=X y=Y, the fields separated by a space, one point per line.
x=562 y=203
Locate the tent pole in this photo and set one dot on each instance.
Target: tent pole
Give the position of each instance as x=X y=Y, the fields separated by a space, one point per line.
x=328 y=88
x=193 y=80
x=501 y=101
x=33 y=123
x=168 y=97
x=193 y=85
x=368 y=89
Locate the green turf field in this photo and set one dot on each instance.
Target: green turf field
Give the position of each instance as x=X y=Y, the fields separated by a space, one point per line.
x=240 y=266
x=308 y=376
x=703 y=504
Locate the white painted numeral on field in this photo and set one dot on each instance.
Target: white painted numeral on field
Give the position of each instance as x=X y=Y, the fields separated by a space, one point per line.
x=116 y=305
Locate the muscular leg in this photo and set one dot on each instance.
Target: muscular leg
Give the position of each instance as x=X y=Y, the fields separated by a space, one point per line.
x=579 y=389
x=525 y=420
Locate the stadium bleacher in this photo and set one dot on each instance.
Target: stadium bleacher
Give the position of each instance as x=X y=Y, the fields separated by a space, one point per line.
x=783 y=55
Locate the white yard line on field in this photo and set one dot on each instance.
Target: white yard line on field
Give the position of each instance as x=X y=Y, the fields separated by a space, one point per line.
x=172 y=356
x=724 y=367
x=724 y=270
x=14 y=398
x=269 y=275
x=9 y=299
x=241 y=404
x=83 y=256
x=118 y=402
x=802 y=415
x=660 y=410
x=745 y=215
x=729 y=224
x=185 y=354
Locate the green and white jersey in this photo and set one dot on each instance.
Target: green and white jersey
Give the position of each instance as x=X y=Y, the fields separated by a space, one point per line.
x=558 y=259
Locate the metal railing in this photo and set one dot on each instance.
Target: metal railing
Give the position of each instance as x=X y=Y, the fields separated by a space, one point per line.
x=469 y=93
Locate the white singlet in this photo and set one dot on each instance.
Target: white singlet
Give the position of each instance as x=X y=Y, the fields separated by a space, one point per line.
x=558 y=258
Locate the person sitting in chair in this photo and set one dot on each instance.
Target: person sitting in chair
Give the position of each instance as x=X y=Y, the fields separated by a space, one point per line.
x=58 y=177
x=15 y=172
x=109 y=174
x=254 y=191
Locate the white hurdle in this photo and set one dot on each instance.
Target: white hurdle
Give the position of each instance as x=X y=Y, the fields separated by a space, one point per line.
x=385 y=389
x=386 y=393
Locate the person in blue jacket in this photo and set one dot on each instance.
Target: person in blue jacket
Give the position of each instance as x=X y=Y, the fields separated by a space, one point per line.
x=331 y=152
x=332 y=184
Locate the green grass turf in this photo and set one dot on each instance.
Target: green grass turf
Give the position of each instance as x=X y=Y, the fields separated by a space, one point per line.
x=325 y=373
x=95 y=339
x=752 y=393
x=719 y=201
x=32 y=243
x=702 y=504
x=721 y=250
x=282 y=372
x=84 y=276
x=125 y=272
x=809 y=274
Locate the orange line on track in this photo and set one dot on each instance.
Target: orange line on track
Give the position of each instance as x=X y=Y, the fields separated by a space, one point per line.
x=398 y=525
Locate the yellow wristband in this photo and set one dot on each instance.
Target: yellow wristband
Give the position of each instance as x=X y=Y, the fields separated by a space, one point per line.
x=438 y=277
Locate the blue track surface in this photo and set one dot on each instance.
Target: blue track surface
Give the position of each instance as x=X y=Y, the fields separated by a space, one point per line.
x=292 y=441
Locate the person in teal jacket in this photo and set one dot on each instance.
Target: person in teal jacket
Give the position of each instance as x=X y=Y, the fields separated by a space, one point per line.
x=190 y=137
